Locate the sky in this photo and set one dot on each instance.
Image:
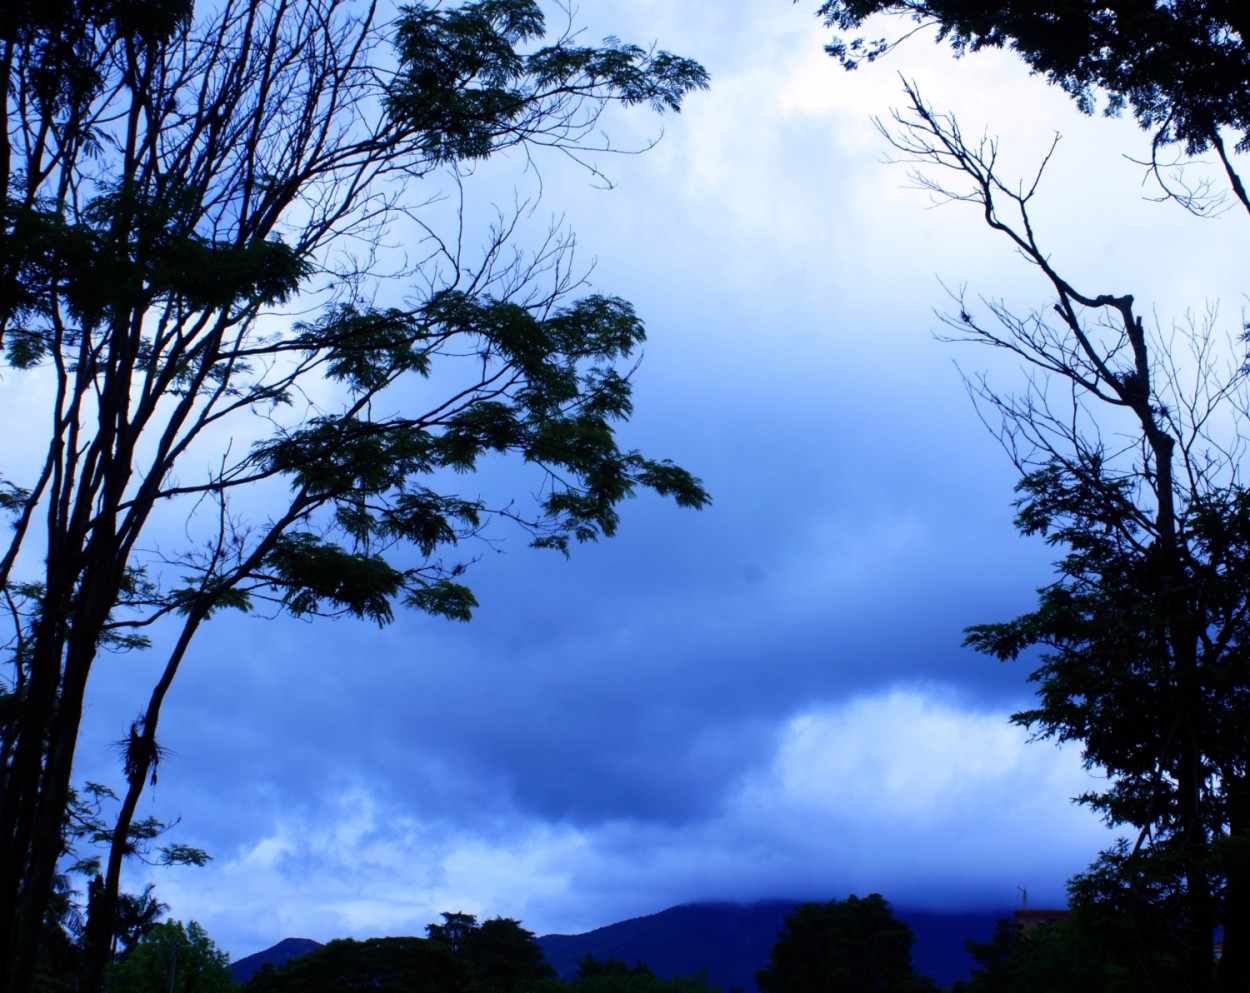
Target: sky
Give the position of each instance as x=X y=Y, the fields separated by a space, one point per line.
x=768 y=698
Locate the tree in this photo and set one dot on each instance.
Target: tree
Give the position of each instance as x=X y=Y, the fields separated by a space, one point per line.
x=173 y=958
x=137 y=915
x=1143 y=634
x=613 y=975
x=843 y=946
x=1097 y=948
x=503 y=956
x=87 y=823
x=499 y=954
x=385 y=965
x=194 y=209
x=1182 y=66
x=1145 y=647
x=454 y=932
x=60 y=953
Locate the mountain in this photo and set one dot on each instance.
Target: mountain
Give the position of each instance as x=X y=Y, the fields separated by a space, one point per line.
x=283 y=951
x=731 y=941
x=941 y=948
x=728 y=941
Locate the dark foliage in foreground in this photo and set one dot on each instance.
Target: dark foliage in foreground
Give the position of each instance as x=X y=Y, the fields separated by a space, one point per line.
x=195 y=204
x=843 y=946
x=1180 y=65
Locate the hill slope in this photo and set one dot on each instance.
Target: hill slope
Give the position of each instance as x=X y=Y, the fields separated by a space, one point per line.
x=731 y=941
x=283 y=951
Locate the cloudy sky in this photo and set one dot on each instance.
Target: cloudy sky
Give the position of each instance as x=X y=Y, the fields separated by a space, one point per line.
x=767 y=698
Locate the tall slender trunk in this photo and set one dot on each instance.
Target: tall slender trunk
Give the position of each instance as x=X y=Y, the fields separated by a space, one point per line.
x=22 y=816
x=141 y=758
x=1179 y=639
x=1233 y=975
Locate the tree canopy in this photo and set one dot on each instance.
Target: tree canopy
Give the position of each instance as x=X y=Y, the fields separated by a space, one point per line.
x=193 y=209
x=1069 y=954
x=388 y=965
x=500 y=955
x=613 y=975
x=173 y=958
x=1128 y=439
x=1181 y=66
x=855 y=945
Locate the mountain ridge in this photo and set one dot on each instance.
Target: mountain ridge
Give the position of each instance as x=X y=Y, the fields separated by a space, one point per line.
x=729 y=941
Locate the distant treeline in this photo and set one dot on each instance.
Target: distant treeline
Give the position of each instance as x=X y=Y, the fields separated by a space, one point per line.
x=458 y=956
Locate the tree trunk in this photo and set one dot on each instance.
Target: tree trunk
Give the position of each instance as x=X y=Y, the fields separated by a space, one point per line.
x=1234 y=969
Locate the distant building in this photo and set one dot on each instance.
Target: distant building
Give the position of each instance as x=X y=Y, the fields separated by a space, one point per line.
x=1026 y=920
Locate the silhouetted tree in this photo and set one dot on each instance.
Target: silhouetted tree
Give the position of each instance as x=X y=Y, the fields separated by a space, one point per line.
x=171 y=181
x=843 y=946
x=378 y=965
x=1097 y=948
x=499 y=954
x=137 y=914
x=503 y=956
x=455 y=930
x=60 y=950
x=1144 y=635
x=614 y=975
x=1182 y=66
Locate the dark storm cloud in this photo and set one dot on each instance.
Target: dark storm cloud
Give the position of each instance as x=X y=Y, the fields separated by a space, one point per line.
x=641 y=678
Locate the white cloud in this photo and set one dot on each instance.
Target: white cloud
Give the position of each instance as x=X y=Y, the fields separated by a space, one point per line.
x=903 y=756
